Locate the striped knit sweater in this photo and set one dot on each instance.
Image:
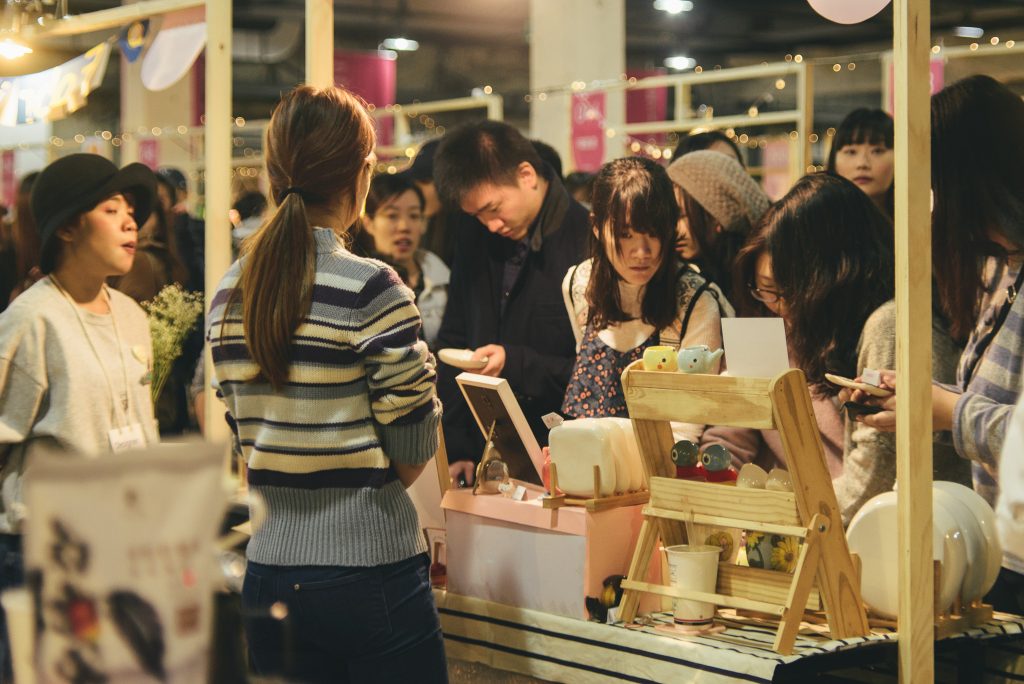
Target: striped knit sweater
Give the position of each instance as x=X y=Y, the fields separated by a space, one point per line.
x=983 y=410
x=360 y=394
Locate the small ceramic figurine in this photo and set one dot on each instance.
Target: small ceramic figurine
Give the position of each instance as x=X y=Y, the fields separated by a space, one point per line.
x=492 y=471
x=718 y=464
x=687 y=459
x=658 y=358
x=699 y=359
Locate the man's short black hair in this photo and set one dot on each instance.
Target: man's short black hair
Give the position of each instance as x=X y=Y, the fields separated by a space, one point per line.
x=483 y=152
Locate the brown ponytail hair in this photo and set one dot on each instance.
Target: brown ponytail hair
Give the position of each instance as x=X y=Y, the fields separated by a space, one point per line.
x=317 y=146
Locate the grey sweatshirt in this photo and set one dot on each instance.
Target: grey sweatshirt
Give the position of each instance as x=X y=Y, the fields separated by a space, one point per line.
x=52 y=387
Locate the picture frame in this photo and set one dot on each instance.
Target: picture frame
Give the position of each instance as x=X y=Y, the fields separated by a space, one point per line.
x=492 y=402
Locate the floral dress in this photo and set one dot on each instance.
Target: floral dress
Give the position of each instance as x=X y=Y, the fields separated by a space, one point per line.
x=595 y=385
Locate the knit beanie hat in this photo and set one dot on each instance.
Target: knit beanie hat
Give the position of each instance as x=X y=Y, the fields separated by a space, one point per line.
x=722 y=187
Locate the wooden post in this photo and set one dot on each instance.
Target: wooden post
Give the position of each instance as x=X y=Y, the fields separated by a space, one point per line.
x=320 y=43
x=805 y=106
x=217 y=184
x=911 y=46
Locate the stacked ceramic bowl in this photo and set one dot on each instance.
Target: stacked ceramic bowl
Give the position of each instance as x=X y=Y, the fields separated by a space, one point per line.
x=578 y=445
x=963 y=539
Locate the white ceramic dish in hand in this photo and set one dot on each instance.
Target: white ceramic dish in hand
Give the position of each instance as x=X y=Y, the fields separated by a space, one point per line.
x=986 y=519
x=873 y=535
x=461 y=358
x=974 y=542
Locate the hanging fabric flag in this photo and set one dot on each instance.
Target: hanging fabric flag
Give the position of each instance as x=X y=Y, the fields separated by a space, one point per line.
x=54 y=93
x=133 y=39
x=181 y=38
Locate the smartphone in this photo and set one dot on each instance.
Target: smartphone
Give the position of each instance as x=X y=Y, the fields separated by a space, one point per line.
x=840 y=381
x=853 y=409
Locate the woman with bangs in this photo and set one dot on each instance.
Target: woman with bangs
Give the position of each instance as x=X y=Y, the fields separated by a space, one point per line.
x=830 y=254
x=394 y=222
x=633 y=293
x=862 y=153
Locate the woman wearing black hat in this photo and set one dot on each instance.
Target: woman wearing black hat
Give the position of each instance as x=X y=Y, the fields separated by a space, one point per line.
x=74 y=354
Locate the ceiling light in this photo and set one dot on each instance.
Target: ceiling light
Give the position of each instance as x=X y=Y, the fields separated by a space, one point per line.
x=968 y=31
x=403 y=44
x=680 y=62
x=11 y=49
x=673 y=6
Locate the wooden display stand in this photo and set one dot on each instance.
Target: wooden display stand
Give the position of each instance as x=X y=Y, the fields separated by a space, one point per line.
x=810 y=512
x=595 y=503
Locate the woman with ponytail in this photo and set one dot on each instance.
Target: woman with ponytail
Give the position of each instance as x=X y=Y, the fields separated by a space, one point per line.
x=331 y=396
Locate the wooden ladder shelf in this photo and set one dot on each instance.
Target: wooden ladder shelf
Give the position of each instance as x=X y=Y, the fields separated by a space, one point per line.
x=823 y=566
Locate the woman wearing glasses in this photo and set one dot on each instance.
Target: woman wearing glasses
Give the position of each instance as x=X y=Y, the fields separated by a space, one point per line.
x=823 y=261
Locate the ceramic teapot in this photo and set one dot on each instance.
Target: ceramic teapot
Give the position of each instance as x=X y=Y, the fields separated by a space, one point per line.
x=699 y=359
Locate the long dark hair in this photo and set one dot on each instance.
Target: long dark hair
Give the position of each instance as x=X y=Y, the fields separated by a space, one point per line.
x=832 y=257
x=162 y=237
x=978 y=185
x=637 y=193
x=745 y=274
x=718 y=248
x=865 y=127
x=317 y=146
x=27 y=247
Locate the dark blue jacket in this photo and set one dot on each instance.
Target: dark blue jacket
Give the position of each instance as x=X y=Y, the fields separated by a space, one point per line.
x=534 y=328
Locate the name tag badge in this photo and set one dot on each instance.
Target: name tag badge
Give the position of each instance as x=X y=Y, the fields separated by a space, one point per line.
x=129 y=437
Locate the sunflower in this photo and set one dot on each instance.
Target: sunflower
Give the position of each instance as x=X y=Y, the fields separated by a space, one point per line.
x=784 y=554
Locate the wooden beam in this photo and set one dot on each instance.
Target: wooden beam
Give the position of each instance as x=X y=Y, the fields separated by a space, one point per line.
x=320 y=43
x=911 y=50
x=217 y=184
x=115 y=17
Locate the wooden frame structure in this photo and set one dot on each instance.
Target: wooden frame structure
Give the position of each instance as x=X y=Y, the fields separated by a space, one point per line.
x=810 y=512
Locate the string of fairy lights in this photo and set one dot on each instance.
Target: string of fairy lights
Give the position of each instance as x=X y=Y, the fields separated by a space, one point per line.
x=656 y=146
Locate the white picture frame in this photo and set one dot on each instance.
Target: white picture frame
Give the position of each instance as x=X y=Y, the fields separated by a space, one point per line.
x=492 y=399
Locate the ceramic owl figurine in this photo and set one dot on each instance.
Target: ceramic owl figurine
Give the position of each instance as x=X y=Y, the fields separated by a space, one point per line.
x=687 y=459
x=699 y=359
x=660 y=358
x=717 y=462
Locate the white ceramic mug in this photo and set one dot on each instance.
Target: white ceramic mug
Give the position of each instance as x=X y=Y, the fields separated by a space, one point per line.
x=696 y=568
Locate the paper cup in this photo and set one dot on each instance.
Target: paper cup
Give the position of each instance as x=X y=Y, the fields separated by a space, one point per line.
x=17 y=605
x=695 y=568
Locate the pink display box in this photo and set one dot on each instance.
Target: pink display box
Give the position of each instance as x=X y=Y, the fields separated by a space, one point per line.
x=521 y=554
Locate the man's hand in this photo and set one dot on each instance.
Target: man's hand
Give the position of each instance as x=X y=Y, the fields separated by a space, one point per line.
x=495 y=355
x=464 y=470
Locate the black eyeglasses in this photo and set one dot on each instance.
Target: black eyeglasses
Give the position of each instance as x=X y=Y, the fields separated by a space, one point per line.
x=764 y=295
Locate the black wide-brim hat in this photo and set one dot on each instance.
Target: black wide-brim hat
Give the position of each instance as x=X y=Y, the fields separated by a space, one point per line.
x=75 y=184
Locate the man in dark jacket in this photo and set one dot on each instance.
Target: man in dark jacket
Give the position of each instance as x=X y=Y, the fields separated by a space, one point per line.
x=519 y=234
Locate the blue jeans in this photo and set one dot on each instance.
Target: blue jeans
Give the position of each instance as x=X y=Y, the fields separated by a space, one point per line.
x=344 y=624
x=12 y=574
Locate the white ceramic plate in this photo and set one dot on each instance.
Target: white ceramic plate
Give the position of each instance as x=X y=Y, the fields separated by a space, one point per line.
x=632 y=456
x=974 y=543
x=873 y=536
x=461 y=358
x=986 y=519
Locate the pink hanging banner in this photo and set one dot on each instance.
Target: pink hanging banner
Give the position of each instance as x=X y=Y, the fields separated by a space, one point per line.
x=649 y=104
x=588 y=112
x=373 y=77
x=149 y=153
x=8 y=183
